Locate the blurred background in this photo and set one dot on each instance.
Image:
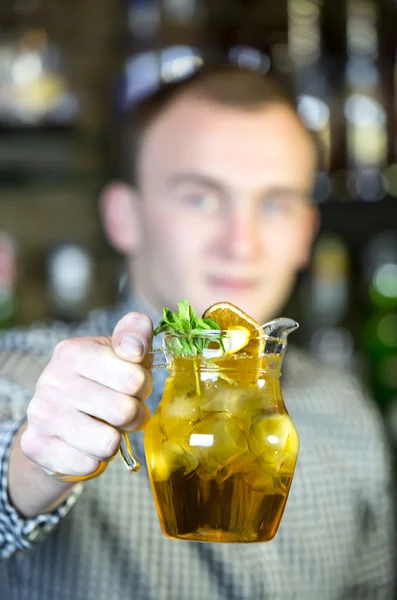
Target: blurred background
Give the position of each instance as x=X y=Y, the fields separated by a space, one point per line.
x=68 y=68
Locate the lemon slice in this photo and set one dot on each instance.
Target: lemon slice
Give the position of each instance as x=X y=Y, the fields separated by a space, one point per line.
x=231 y=317
x=237 y=338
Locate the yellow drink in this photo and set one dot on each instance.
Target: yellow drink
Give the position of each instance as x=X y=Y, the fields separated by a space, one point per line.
x=221 y=449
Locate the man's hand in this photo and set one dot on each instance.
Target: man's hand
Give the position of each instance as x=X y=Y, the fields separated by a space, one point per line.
x=90 y=390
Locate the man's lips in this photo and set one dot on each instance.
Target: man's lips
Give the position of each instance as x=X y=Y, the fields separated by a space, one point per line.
x=237 y=284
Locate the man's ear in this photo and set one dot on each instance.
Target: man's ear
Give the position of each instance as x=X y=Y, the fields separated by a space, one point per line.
x=310 y=230
x=119 y=208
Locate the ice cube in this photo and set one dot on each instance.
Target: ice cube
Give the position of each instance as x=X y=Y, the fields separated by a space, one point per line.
x=213 y=397
x=261 y=479
x=246 y=402
x=171 y=457
x=178 y=415
x=228 y=442
x=239 y=402
x=268 y=435
x=237 y=466
x=208 y=470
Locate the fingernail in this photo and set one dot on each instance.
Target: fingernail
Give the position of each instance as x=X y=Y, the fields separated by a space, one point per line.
x=131 y=346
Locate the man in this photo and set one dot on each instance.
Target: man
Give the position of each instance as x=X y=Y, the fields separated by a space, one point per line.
x=217 y=207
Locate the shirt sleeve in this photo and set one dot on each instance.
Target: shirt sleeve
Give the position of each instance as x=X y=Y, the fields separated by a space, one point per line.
x=23 y=356
x=16 y=532
x=373 y=569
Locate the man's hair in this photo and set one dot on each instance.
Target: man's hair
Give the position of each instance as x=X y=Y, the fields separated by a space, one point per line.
x=226 y=85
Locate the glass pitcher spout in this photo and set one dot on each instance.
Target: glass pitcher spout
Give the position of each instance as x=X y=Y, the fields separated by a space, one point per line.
x=280 y=328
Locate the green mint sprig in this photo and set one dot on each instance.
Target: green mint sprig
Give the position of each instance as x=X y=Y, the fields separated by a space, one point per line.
x=185 y=322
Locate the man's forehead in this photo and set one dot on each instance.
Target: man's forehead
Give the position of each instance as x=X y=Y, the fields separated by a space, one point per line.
x=193 y=119
x=226 y=141
x=196 y=109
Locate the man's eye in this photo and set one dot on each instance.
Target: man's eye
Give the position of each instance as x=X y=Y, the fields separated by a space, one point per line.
x=204 y=202
x=275 y=207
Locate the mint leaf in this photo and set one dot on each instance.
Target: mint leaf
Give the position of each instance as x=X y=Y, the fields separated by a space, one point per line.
x=211 y=323
x=166 y=322
x=168 y=317
x=185 y=311
x=185 y=322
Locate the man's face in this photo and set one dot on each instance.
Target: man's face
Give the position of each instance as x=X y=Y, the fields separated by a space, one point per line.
x=224 y=207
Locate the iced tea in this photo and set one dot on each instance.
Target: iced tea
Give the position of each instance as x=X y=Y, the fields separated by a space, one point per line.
x=221 y=450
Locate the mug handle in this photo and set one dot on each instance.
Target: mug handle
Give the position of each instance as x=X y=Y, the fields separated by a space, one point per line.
x=159 y=361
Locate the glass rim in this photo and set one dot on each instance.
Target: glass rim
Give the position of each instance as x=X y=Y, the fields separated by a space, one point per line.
x=255 y=334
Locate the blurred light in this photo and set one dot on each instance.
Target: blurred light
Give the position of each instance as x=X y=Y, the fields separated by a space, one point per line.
x=142 y=76
x=361 y=72
x=314 y=112
x=390 y=175
x=367 y=146
x=304 y=31
x=144 y=18
x=145 y=71
x=363 y=111
x=178 y=62
x=385 y=280
x=181 y=11
x=68 y=109
x=27 y=68
x=380 y=250
x=361 y=31
x=304 y=44
x=70 y=273
x=366 y=131
x=362 y=39
x=367 y=184
x=250 y=58
x=387 y=330
x=303 y=12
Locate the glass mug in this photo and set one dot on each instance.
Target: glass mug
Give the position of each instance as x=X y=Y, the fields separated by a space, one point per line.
x=221 y=448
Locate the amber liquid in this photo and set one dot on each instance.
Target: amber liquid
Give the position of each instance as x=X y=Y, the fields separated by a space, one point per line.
x=221 y=452
x=217 y=512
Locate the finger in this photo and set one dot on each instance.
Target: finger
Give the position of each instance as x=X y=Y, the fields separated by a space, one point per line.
x=88 y=435
x=85 y=433
x=57 y=456
x=120 y=410
x=123 y=412
x=94 y=359
x=132 y=338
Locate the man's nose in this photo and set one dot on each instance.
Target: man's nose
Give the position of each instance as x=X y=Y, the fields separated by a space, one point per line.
x=241 y=235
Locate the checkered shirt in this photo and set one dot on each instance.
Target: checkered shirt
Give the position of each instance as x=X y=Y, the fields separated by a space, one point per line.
x=335 y=541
